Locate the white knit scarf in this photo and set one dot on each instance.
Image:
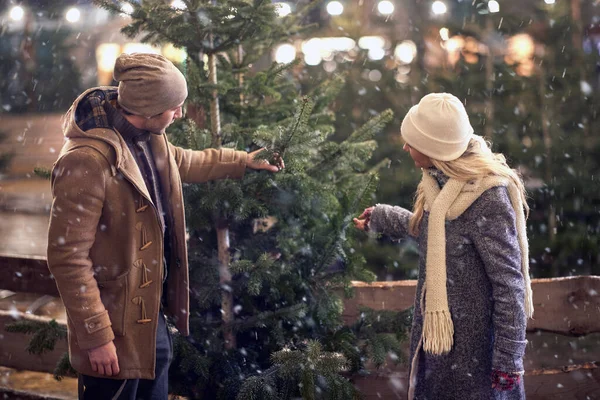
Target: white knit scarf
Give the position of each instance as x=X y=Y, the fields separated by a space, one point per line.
x=449 y=203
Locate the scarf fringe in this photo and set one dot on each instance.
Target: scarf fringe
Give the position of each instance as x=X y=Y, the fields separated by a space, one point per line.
x=528 y=295
x=438 y=332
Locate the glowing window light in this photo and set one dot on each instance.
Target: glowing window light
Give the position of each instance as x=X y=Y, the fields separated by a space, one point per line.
x=312 y=58
x=285 y=53
x=140 y=48
x=376 y=53
x=439 y=7
x=385 y=7
x=549 y=1
x=335 y=8
x=369 y=42
x=106 y=55
x=338 y=43
x=174 y=54
x=17 y=13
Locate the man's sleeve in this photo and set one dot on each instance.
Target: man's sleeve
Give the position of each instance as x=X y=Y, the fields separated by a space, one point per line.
x=209 y=164
x=78 y=189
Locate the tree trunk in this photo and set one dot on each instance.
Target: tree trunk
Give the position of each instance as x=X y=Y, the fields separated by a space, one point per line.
x=488 y=128
x=215 y=117
x=544 y=109
x=225 y=282
x=222 y=226
x=240 y=58
x=576 y=16
x=28 y=60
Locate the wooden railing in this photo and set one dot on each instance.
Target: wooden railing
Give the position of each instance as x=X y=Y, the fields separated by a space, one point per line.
x=562 y=358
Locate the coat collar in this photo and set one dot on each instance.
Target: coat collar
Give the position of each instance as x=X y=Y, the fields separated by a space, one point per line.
x=125 y=162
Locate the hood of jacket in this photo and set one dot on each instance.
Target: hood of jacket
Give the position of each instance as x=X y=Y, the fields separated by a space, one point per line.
x=87 y=119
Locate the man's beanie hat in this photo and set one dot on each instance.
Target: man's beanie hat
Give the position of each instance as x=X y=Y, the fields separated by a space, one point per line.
x=149 y=84
x=438 y=127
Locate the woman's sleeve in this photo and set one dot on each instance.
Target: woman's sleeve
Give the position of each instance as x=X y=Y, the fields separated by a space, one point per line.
x=495 y=238
x=391 y=221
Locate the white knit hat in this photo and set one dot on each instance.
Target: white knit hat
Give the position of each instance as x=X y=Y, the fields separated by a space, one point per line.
x=438 y=127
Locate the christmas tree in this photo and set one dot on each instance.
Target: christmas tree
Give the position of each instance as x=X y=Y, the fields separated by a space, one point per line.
x=270 y=255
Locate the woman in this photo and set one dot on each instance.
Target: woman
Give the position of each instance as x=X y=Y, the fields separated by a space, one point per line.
x=473 y=293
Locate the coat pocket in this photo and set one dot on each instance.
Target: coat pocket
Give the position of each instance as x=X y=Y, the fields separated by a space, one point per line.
x=114 y=297
x=458 y=245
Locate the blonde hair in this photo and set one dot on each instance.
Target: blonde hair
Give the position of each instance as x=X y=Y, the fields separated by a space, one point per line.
x=477 y=161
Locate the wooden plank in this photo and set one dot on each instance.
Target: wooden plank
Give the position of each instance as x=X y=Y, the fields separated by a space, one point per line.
x=390 y=382
x=377 y=386
x=396 y=295
x=578 y=382
x=552 y=350
x=13 y=345
x=34 y=139
x=33 y=385
x=569 y=305
x=30 y=275
x=15 y=394
x=571 y=382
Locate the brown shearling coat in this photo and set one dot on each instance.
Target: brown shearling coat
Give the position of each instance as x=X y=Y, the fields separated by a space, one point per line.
x=105 y=246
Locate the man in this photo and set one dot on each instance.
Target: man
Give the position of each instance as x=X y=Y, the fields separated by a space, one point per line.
x=116 y=243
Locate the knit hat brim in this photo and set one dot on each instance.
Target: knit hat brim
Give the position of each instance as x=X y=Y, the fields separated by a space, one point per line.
x=433 y=147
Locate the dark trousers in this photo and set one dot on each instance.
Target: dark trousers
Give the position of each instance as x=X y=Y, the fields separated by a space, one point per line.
x=92 y=388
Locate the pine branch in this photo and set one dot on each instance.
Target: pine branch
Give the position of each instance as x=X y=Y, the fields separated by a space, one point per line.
x=44 y=173
x=299 y=310
x=45 y=334
x=64 y=368
x=333 y=247
x=374 y=125
x=300 y=120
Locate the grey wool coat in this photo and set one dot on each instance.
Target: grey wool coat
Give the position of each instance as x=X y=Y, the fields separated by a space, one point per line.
x=486 y=297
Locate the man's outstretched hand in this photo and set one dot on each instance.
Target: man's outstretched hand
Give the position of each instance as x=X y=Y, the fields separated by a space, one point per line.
x=264 y=164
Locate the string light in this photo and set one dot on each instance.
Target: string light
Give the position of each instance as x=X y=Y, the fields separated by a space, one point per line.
x=17 y=13
x=439 y=7
x=335 y=8
x=493 y=6
x=444 y=34
x=385 y=7
x=72 y=15
x=285 y=53
x=283 y=9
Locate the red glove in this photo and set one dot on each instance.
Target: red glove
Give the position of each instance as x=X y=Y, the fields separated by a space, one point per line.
x=505 y=380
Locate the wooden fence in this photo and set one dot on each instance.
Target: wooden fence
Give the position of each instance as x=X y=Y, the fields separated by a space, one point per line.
x=562 y=359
